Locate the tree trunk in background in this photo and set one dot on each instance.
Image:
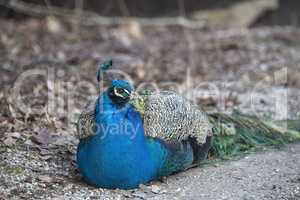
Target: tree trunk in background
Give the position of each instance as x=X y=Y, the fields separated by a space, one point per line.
x=287 y=13
x=143 y=8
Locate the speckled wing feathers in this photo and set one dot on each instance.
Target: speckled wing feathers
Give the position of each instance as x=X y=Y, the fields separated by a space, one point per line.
x=86 y=124
x=171 y=117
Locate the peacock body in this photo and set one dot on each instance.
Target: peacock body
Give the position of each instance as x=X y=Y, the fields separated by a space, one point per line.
x=115 y=149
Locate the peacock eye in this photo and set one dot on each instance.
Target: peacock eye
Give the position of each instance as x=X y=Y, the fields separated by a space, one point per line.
x=121 y=92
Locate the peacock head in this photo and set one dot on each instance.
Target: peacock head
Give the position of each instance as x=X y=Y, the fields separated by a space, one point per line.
x=120 y=91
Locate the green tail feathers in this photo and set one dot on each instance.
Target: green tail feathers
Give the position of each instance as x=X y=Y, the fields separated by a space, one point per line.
x=238 y=133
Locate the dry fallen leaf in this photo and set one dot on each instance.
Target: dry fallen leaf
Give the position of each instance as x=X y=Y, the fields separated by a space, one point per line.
x=45 y=157
x=9 y=141
x=134 y=29
x=42 y=137
x=45 y=178
x=45 y=152
x=15 y=135
x=53 y=25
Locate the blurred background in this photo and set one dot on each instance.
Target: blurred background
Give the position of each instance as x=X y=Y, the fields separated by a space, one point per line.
x=225 y=47
x=267 y=12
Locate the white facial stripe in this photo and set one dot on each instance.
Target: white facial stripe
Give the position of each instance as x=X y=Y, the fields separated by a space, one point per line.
x=120 y=95
x=126 y=91
x=117 y=94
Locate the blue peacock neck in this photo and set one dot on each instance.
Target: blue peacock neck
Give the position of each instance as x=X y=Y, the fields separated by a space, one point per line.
x=118 y=121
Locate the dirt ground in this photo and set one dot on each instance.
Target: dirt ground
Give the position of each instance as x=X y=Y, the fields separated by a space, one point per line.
x=254 y=71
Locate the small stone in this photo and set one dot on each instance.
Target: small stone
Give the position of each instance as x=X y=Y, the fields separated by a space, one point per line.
x=155 y=189
x=163 y=192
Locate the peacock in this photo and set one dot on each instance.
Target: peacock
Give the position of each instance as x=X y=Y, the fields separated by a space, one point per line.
x=128 y=138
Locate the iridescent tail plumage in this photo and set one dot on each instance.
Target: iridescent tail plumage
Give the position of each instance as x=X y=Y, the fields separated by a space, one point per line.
x=236 y=134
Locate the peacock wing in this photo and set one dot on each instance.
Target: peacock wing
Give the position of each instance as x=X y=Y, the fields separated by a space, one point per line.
x=86 y=124
x=171 y=117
